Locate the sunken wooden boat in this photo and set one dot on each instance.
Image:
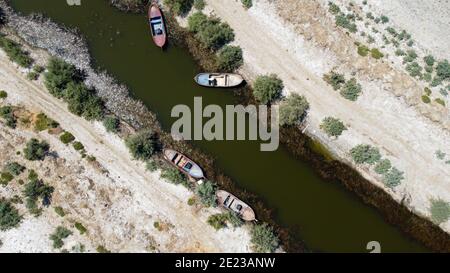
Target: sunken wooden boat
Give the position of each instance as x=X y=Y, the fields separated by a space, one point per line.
x=183 y=163
x=219 y=80
x=231 y=202
x=157 y=25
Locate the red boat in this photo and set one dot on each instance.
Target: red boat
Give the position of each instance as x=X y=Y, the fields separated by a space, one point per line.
x=157 y=25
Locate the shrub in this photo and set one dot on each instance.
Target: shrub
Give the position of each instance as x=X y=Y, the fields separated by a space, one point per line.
x=34 y=190
x=440 y=101
x=414 y=69
x=393 y=178
x=230 y=58
x=333 y=8
x=7 y=113
x=334 y=79
x=332 y=126
x=66 y=137
x=15 y=52
x=443 y=70
x=427 y=91
x=102 y=249
x=3 y=94
x=410 y=43
x=440 y=211
x=440 y=155
x=199 y=4
x=384 y=19
x=32 y=76
x=429 y=60
x=343 y=21
x=35 y=150
x=80 y=228
x=351 y=90
x=112 y=124
x=412 y=54
x=142 y=145
x=267 y=88
x=293 y=109
x=234 y=219
x=78 y=146
x=218 y=221
x=196 y=22
x=426 y=99
x=5 y=178
x=14 y=168
x=247 y=3
x=173 y=175
x=9 y=215
x=263 y=239
x=213 y=34
x=59 y=75
x=58 y=236
x=60 y=211
x=363 y=50
x=400 y=52
x=43 y=122
x=179 y=7
x=383 y=166
x=191 y=201
x=83 y=102
x=151 y=165
x=364 y=153
x=376 y=54
x=207 y=193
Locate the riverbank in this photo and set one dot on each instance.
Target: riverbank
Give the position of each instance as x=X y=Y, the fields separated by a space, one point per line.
x=412 y=213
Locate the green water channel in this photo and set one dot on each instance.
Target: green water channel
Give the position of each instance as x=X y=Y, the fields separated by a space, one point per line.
x=325 y=215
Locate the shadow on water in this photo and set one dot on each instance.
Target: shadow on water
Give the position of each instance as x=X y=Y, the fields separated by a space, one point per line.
x=326 y=216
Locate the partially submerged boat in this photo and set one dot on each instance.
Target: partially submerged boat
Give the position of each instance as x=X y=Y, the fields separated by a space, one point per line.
x=219 y=79
x=231 y=202
x=183 y=163
x=157 y=25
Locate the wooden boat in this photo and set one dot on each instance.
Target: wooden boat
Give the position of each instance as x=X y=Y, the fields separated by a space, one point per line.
x=218 y=79
x=183 y=163
x=157 y=25
x=231 y=202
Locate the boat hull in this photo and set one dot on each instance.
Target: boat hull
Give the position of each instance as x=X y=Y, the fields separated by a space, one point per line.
x=232 y=203
x=219 y=80
x=157 y=25
x=183 y=163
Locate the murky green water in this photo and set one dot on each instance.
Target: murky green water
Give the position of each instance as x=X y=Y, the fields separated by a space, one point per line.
x=323 y=214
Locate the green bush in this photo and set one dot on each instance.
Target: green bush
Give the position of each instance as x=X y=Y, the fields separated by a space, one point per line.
x=429 y=60
x=230 y=58
x=3 y=94
x=383 y=166
x=400 y=52
x=59 y=75
x=5 y=178
x=199 y=4
x=332 y=126
x=218 y=221
x=384 y=19
x=343 y=21
x=191 y=201
x=15 y=52
x=66 y=137
x=293 y=109
x=234 y=219
x=207 y=193
x=334 y=79
x=263 y=238
x=267 y=88
x=151 y=165
x=173 y=175
x=9 y=215
x=440 y=154
x=14 y=168
x=426 y=99
x=142 y=145
x=58 y=236
x=363 y=50
x=364 y=153
x=35 y=189
x=80 y=228
x=376 y=54
x=102 y=249
x=43 y=123
x=440 y=211
x=32 y=76
x=247 y=3
x=196 y=22
x=427 y=91
x=35 y=150
x=179 y=7
x=414 y=69
x=214 y=34
x=443 y=70
x=393 y=178
x=78 y=146
x=440 y=101
x=7 y=113
x=333 y=8
x=60 y=211
x=351 y=90
x=83 y=102
x=112 y=124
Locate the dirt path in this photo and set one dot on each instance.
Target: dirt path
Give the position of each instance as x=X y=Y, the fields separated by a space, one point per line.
x=377 y=118
x=148 y=198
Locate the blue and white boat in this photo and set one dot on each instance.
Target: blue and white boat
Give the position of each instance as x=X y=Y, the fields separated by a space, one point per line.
x=183 y=163
x=219 y=80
